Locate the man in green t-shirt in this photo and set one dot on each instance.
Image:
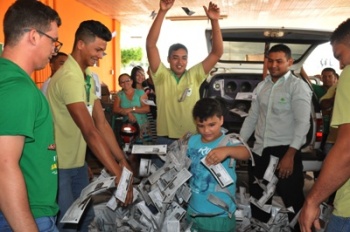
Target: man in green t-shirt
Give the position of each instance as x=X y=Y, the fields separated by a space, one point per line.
x=28 y=168
x=335 y=171
x=329 y=78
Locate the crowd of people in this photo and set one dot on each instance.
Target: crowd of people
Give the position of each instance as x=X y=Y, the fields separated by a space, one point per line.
x=43 y=165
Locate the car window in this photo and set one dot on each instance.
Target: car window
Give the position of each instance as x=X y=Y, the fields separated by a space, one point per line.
x=243 y=51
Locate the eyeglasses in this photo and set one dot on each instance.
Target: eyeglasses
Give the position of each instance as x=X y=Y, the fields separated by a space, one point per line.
x=57 y=43
x=122 y=82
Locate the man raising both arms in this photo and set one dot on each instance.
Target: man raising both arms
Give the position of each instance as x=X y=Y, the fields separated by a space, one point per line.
x=177 y=88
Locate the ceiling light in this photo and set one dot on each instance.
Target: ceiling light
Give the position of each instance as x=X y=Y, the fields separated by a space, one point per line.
x=273 y=33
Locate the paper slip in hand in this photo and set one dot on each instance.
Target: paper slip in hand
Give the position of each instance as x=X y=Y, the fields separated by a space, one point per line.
x=148 y=102
x=149 y=149
x=220 y=173
x=123 y=185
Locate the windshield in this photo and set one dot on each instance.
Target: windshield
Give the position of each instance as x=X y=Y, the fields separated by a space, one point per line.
x=254 y=51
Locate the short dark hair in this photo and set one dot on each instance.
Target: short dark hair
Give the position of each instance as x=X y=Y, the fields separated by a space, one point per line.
x=176 y=47
x=342 y=33
x=54 y=58
x=206 y=108
x=329 y=70
x=90 y=29
x=27 y=14
x=133 y=74
x=281 y=48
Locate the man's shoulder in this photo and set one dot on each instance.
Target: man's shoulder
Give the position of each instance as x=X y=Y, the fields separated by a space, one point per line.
x=10 y=69
x=161 y=69
x=67 y=72
x=197 y=67
x=298 y=82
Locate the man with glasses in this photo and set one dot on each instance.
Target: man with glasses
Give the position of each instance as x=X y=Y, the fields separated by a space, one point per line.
x=56 y=43
x=28 y=169
x=79 y=121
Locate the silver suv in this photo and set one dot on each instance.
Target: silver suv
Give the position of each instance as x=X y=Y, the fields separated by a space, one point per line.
x=242 y=67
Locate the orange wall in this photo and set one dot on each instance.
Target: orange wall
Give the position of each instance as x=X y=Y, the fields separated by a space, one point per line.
x=72 y=14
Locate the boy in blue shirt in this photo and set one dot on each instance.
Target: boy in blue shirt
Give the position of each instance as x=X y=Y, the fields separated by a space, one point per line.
x=212 y=143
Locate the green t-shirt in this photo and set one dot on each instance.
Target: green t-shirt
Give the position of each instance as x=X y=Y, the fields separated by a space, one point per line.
x=341 y=115
x=25 y=112
x=174 y=115
x=68 y=86
x=319 y=91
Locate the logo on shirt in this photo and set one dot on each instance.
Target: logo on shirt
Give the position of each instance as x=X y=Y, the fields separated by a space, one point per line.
x=204 y=151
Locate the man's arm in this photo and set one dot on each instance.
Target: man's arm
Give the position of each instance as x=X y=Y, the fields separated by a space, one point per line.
x=108 y=135
x=153 y=35
x=93 y=137
x=217 y=155
x=13 y=195
x=106 y=131
x=301 y=110
x=251 y=120
x=213 y=13
x=334 y=173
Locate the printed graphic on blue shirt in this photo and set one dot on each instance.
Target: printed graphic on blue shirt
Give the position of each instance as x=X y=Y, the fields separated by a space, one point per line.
x=203 y=183
x=202 y=178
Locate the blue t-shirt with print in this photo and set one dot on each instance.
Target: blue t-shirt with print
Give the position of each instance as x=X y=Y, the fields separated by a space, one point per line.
x=203 y=183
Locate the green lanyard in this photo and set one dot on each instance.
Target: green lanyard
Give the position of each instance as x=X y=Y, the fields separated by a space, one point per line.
x=87 y=89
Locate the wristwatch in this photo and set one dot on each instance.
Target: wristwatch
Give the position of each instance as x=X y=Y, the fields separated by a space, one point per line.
x=133 y=108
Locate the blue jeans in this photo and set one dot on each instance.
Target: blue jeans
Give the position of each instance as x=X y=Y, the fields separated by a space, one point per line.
x=70 y=184
x=45 y=224
x=338 y=224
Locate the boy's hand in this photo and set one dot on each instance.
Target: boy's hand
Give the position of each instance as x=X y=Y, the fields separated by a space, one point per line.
x=213 y=11
x=166 y=4
x=215 y=156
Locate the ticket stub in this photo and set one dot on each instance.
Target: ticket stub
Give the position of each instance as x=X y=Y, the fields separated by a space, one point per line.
x=75 y=211
x=270 y=171
x=175 y=184
x=220 y=173
x=145 y=167
x=149 y=149
x=123 y=185
x=157 y=198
